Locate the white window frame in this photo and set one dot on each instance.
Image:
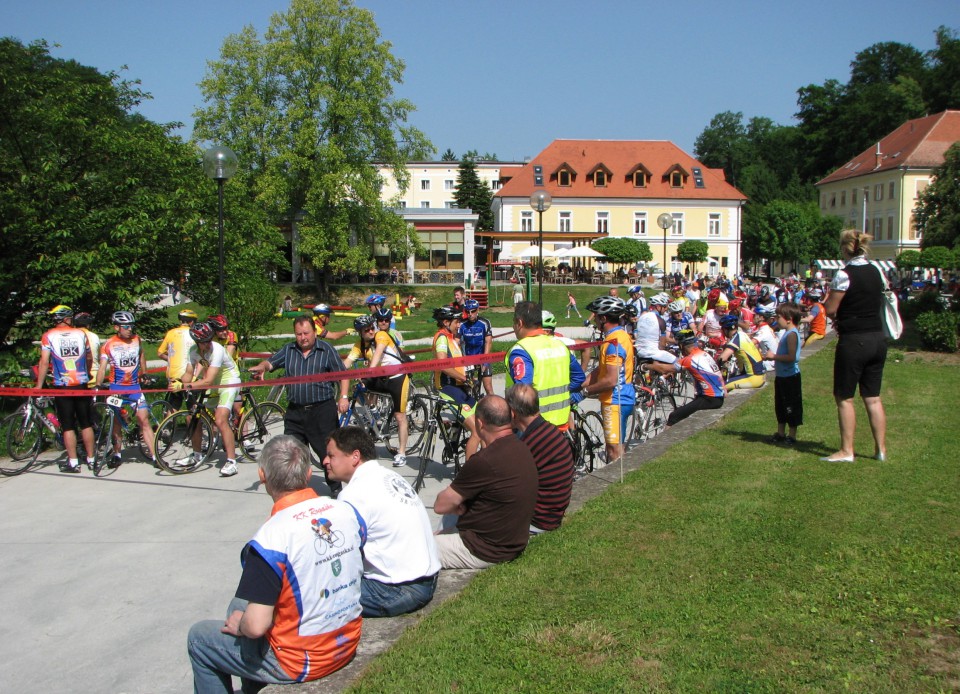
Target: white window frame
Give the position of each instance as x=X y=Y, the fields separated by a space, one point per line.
x=639 y=223
x=526 y=220
x=878 y=192
x=450 y=204
x=425 y=205
x=449 y=184
x=677 y=228
x=603 y=222
x=565 y=221
x=714 y=222
x=495 y=184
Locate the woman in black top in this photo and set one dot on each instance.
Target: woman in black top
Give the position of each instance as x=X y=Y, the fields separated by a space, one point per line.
x=855 y=304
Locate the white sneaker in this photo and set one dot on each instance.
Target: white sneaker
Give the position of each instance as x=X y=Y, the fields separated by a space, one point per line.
x=229 y=469
x=183 y=462
x=399 y=460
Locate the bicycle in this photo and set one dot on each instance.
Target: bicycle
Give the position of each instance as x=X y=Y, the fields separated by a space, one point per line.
x=373 y=412
x=587 y=440
x=117 y=423
x=443 y=420
x=649 y=417
x=25 y=433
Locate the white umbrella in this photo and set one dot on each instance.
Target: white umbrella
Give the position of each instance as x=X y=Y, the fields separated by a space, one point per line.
x=579 y=252
x=533 y=252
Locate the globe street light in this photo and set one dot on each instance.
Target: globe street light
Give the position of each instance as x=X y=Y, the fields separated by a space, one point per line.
x=220 y=163
x=540 y=200
x=665 y=221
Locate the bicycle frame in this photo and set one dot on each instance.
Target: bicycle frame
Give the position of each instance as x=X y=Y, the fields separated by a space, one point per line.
x=451 y=433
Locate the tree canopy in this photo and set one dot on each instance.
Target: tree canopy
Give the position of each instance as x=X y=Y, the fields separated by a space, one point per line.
x=311 y=106
x=937 y=213
x=473 y=194
x=624 y=251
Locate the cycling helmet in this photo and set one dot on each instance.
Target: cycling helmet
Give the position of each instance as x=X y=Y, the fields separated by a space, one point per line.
x=548 y=320
x=764 y=310
x=607 y=306
x=383 y=314
x=812 y=294
x=60 y=312
x=218 y=322
x=634 y=289
x=631 y=311
x=201 y=332
x=676 y=306
x=752 y=293
x=361 y=323
x=123 y=318
x=82 y=320
x=686 y=337
x=660 y=299
x=445 y=313
x=322 y=309
x=186 y=314
x=677 y=289
x=713 y=294
x=735 y=304
x=375 y=300
x=723 y=303
x=729 y=321
x=471 y=305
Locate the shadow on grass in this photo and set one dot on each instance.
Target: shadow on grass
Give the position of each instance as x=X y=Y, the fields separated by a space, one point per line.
x=817 y=448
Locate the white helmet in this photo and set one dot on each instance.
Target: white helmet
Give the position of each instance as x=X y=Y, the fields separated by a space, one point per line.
x=660 y=299
x=677 y=305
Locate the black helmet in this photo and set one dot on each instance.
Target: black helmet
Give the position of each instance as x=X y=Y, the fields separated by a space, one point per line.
x=383 y=314
x=361 y=323
x=445 y=313
x=201 y=332
x=82 y=320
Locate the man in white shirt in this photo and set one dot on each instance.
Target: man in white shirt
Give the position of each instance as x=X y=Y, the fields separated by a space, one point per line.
x=400 y=559
x=650 y=330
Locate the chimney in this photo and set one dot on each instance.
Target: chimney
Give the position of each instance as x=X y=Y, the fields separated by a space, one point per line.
x=879 y=157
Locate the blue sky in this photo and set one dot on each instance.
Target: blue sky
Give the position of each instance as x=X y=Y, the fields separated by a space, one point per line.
x=510 y=76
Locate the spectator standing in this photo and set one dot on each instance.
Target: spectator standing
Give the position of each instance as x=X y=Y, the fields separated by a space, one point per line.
x=517 y=293
x=571 y=305
x=551 y=452
x=855 y=304
x=788 y=393
x=296 y=613
x=313 y=410
x=493 y=496
x=400 y=560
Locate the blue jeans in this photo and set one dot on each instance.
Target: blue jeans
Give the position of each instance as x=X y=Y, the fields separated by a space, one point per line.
x=387 y=600
x=216 y=656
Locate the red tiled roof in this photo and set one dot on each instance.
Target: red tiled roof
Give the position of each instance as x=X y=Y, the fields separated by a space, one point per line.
x=621 y=157
x=919 y=143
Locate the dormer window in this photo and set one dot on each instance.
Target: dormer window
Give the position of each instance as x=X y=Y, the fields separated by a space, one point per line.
x=676 y=180
x=600 y=179
x=676 y=175
x=563 y=177
x=639 y=179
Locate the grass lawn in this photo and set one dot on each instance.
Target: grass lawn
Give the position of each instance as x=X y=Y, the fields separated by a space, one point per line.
x=730 y=564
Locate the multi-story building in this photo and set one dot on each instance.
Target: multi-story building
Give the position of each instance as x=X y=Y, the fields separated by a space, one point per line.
x=619 y=188
x=877 y=190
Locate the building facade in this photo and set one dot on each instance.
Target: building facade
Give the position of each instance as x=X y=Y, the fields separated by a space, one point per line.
x=619 y=188
x=877 y=190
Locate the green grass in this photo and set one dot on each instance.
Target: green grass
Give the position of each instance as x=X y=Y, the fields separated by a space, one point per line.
x=729 y=564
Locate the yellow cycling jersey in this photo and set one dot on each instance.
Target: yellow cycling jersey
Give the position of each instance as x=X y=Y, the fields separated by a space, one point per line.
x=176 y=346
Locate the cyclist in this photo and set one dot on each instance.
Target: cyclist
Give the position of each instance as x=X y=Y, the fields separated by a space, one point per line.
x=449 y=381
x=321 y=318
x=459 y=301
x=764 y=336
x=174 y=350
x=210 y=365
x=816 y=316
x=649 y=336
x=637 y=298
x=226 y=337
x=384 y=319
x=738 y=344
x=378 y=348
x=612 y=380
x=67 y=349
x=679 y=319
x=544 y=361
x=376 y=302
x=476 y=337
x=84 y=321
x=744 y=315
x=707 y=381
x=123 y=354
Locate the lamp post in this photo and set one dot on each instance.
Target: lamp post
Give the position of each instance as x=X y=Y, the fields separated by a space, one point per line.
x=665 y=221
x=220 y=163
x=540 y=200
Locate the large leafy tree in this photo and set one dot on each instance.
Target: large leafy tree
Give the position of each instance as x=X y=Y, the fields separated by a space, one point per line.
x=624 y=251
x=694 y=252
x=311 y=106
x=473 y=194
x=937 y=213
x=93 y=198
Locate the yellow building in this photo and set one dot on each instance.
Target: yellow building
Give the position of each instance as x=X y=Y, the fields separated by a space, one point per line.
x=619 y=188
x=877 y=190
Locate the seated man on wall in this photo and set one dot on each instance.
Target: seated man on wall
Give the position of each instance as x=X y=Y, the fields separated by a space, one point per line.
x=493 y=495
x=296 y=614
x=400 y=562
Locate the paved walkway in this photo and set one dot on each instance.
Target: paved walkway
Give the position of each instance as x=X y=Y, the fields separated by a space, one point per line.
x=104 y=576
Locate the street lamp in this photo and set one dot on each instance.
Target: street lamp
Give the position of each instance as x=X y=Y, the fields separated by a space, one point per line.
x=540 y=200
x=220 y=163
x=665 y=221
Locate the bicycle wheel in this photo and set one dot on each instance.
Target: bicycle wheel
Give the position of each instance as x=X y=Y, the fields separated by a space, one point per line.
x=656 y=419
x=455 y=447
x=416 y=425
x=103 y=418
x=425 y=452
x=156 y=413
x=175 y=442
x=23 y=437
x=594 y=442
x=258 y=426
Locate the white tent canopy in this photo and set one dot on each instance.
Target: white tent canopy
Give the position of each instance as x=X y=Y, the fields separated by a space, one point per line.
x=579 y=252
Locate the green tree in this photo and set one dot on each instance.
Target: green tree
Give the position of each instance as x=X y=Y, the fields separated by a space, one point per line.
x=942 y=84
x=907 y=260
x=937 y=213
x=722 y=145
x=448 y=155
x=779 y=231
x=310 y=106
x=624 y=251
x=693 y=252
x=473 y=194
x=94 y=197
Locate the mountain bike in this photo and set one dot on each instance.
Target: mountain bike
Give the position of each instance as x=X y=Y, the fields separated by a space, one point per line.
x=26 y=432
x=587 y=440
x=117 y=425
x=444 y=424
x=373 y=412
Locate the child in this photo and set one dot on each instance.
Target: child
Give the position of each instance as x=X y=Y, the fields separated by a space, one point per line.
x=572 y=305
x=788 y=394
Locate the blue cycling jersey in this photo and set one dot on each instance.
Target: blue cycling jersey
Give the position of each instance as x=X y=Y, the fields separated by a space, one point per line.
x=473 y=335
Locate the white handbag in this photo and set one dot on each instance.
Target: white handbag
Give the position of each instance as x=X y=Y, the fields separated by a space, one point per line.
x=892 y=324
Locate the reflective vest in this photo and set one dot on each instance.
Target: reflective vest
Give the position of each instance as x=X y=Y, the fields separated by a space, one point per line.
x=551 y=375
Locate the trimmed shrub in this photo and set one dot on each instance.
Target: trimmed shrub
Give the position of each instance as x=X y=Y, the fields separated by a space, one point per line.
x=938 y=331
x=924 y=302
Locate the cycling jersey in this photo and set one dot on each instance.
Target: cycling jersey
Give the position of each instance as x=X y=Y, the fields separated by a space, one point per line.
x=445 y=346
x=94 y=341
x=819 y=323
x=69 y=355
x=124 y=357
x=473 y=335
x=176 y=346
x=711 y=323
x=707 y=380
x=390 y=354
x=229 y=340
x=217 y=358
x=747 y=354
x=617 y=353
x=675 y=325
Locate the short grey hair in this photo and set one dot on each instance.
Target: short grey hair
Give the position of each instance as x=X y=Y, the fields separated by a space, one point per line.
x=285 y=462
x=523 y=400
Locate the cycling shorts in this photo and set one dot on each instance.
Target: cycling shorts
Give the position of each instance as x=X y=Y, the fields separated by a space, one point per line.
x=131 y=395
x=73 y=411
x=741 y=381
x=459 y=396
x=615 y=422
x=397 y=388
x=226 y=396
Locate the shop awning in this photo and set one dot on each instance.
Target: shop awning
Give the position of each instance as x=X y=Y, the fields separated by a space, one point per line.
x=883 y=265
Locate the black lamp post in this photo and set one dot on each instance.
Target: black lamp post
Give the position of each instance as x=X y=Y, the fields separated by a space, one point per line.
x=665 y=221
x=220 y=163
x=540 y=200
